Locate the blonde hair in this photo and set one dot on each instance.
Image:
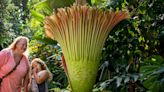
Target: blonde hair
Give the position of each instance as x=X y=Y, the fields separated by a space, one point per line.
x=16 y=40
x=43 y=67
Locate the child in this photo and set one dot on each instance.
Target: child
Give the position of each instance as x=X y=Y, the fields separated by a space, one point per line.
x=41 y=74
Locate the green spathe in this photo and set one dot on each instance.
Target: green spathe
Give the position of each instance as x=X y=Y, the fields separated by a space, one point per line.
x=82 y=75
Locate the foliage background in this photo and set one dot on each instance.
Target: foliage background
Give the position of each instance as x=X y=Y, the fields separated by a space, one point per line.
x=132 y=57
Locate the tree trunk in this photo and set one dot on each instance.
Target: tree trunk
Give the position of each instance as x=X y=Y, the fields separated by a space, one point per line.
x=131 y=87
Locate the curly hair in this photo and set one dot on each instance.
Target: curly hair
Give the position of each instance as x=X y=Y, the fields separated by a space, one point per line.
x=43 y=67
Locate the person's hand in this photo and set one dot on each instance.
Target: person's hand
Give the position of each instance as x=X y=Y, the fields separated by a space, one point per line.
x=35 y=70
x=29 y=87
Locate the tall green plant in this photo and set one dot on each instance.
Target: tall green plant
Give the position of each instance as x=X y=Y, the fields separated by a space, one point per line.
x=81 y=31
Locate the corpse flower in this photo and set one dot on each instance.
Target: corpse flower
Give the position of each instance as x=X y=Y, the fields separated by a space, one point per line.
x=81 y=32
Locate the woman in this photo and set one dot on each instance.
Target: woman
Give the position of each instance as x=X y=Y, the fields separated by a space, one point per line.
x=15 y=56
x=41 y=74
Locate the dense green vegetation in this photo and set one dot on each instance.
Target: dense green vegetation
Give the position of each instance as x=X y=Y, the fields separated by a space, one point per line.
x=133 y=55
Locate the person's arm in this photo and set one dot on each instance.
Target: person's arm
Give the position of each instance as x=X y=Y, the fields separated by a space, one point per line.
x=27 y=78
x=3 y=55
x=4 y=58
x=41 y=78
x=26 y=83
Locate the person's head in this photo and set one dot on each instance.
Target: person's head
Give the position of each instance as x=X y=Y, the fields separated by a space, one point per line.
x=20 y=44
x=40 y=65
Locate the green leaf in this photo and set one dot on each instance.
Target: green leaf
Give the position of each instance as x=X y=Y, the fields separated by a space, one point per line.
x=159 y=71
x=149 y=81
x=118 y=81
x=155 y=86
x=148 y=67
x=135 y=77
x=39 y=17
x=126 y=79
x=44 y=5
